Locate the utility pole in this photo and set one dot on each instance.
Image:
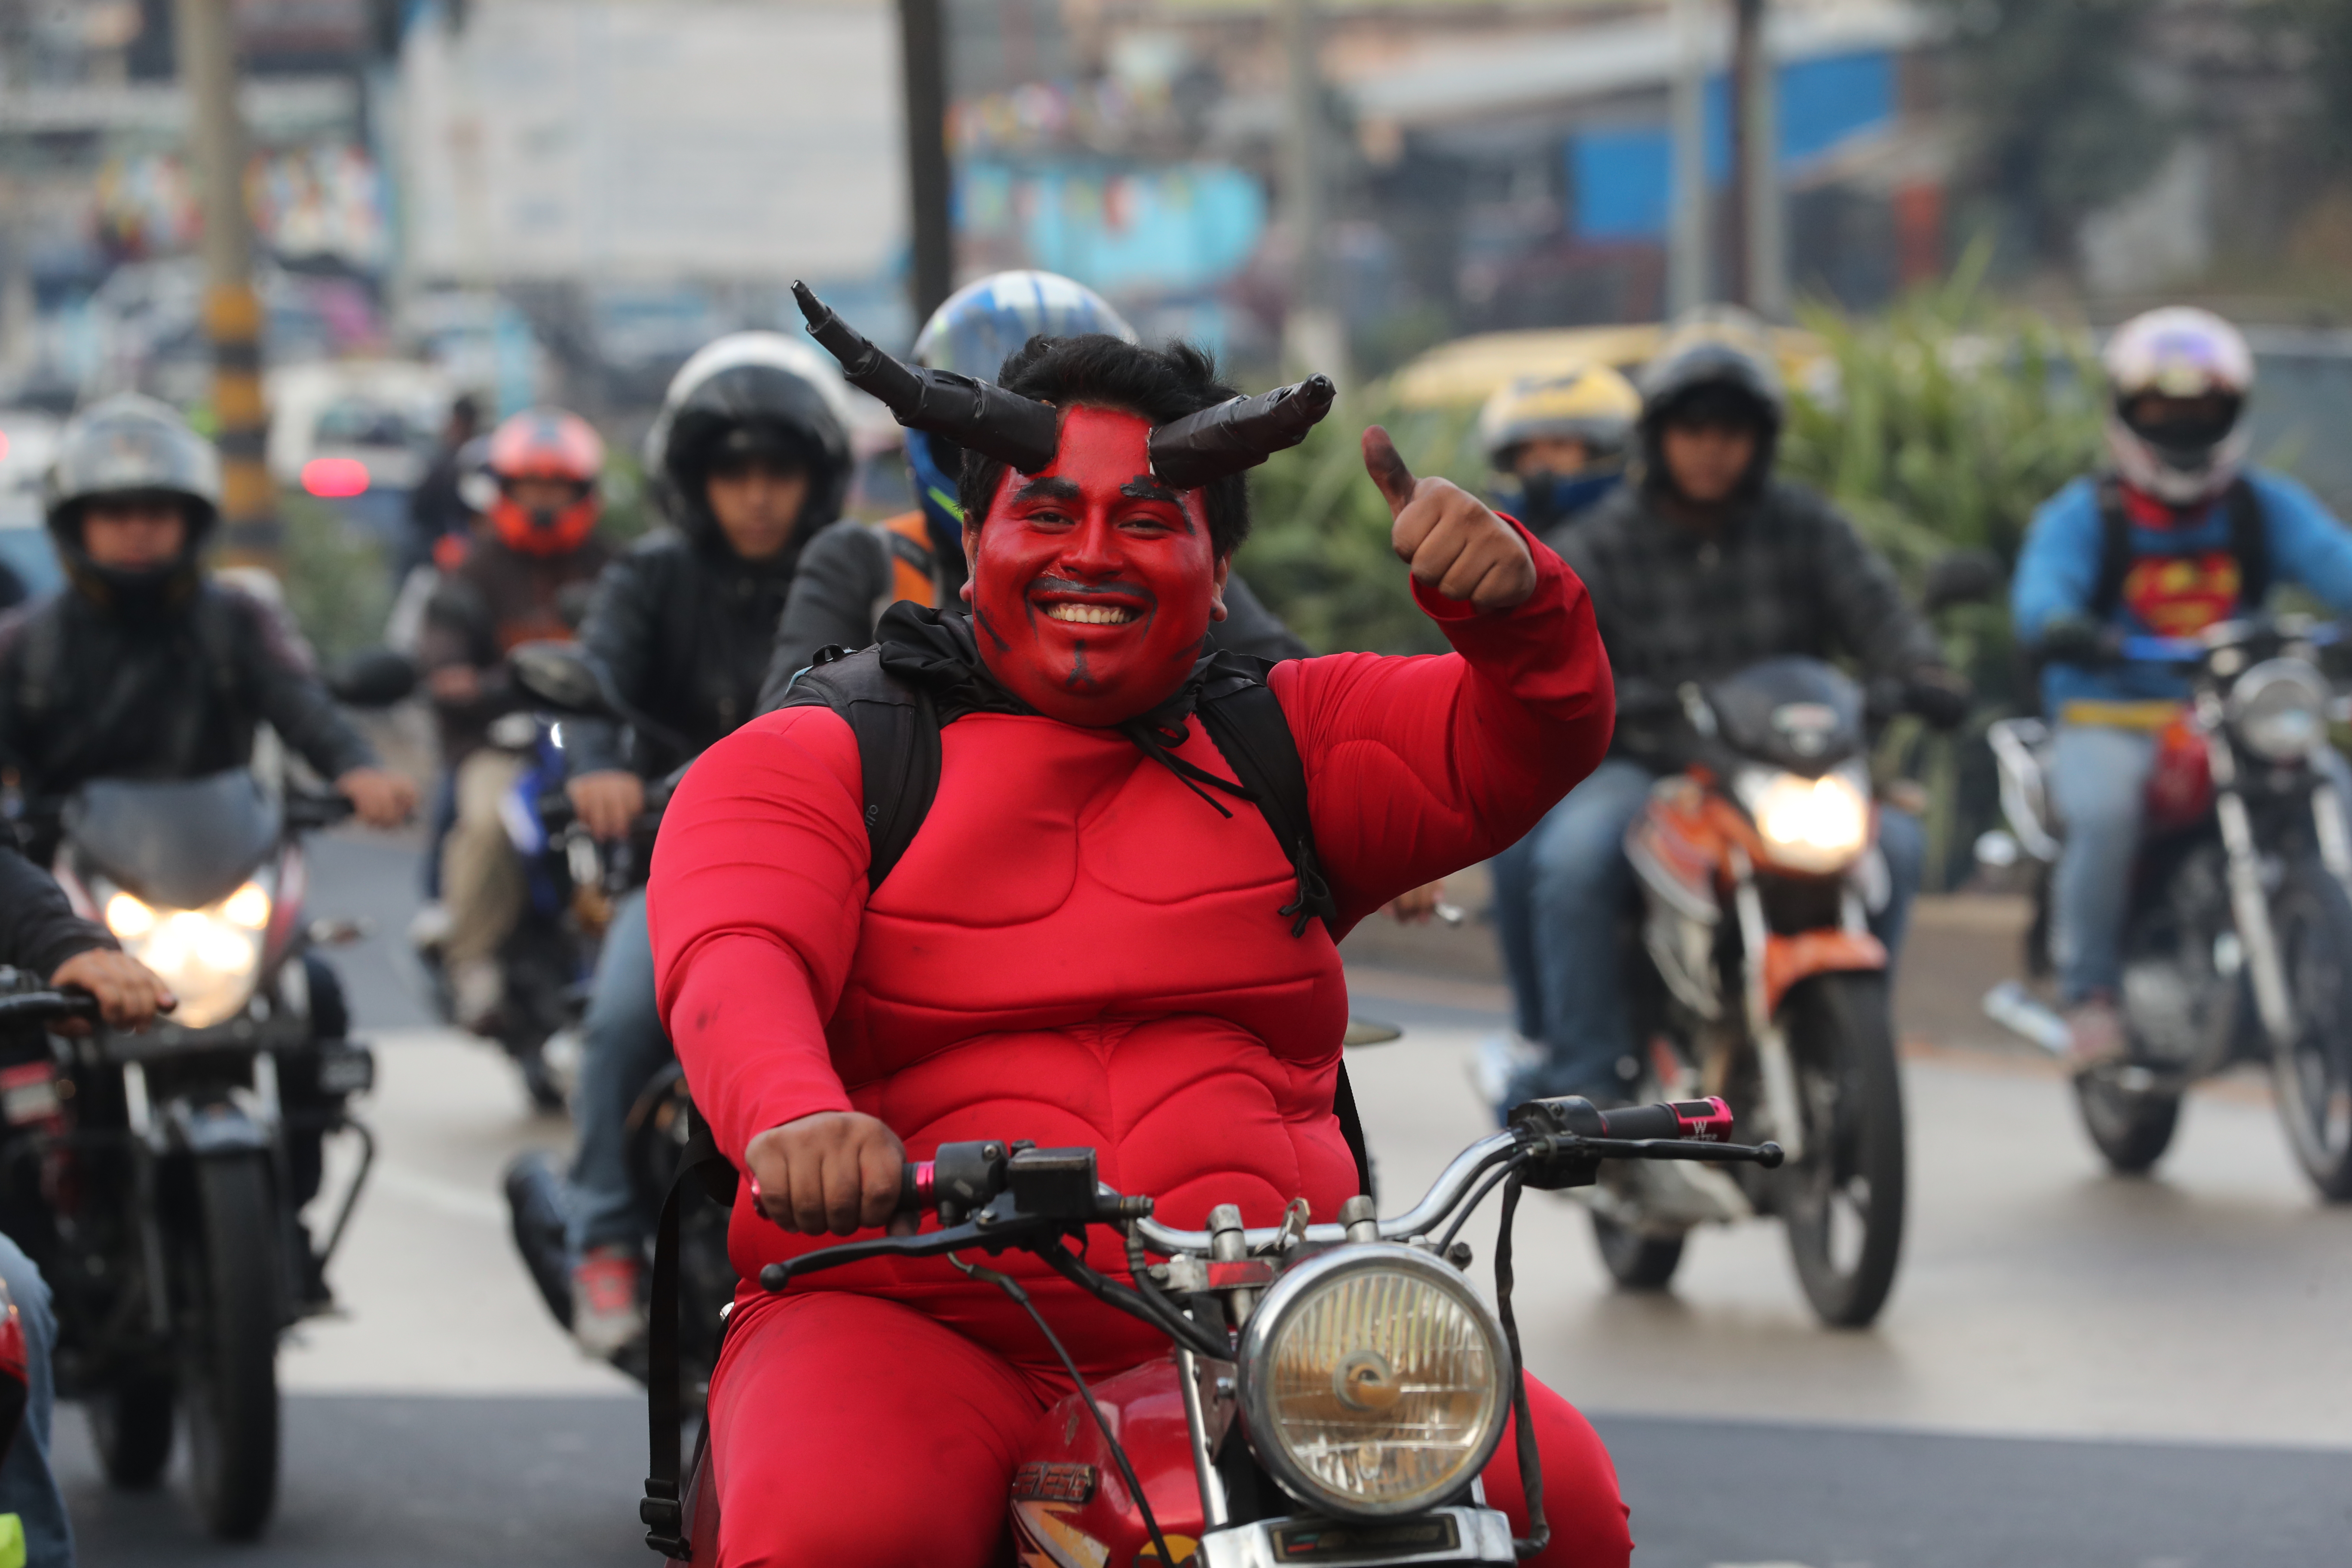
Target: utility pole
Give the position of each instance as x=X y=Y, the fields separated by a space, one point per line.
x=1762 y=270
x=206 y=42
x=922 y=39
x=1686 y=252
x=1313 y=336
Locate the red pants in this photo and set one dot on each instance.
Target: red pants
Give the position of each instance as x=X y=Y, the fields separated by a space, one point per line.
x=856 y=1433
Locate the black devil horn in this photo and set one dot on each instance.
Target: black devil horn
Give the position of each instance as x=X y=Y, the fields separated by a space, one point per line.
x=972 y=413
x=1238 y=434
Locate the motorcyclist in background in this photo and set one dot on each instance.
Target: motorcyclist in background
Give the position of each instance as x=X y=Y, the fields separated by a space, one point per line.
x=526 y=577
x=851 y=574
x=39 y=932
x=2178 y=536
x=748 y=457
x=146 y=668
x=1556 y=443
x=1705 y=564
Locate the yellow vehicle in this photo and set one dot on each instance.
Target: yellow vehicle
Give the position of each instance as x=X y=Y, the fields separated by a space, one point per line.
x=1468 y=371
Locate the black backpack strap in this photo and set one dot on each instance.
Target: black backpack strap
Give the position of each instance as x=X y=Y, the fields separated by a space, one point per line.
x=897 y=735
x=1245 y=720
x=2114 y=549
x=663 y=1508
x=2250 y=542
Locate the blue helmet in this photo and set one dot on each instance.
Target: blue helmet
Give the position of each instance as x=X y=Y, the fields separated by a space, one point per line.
x=973 y=333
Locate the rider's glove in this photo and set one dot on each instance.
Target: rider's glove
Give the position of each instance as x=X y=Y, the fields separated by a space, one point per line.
x=2079 y=639
x=1940 y=695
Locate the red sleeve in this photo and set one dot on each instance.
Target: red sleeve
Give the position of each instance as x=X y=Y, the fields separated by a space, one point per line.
x=759 y=878
x=1417 y=767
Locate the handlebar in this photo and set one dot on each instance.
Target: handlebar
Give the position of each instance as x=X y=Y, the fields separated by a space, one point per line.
x=46 y=1006
x=305 y=811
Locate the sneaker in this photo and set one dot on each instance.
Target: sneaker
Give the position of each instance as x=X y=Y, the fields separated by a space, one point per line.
x=2095 y=1036
x=1502 y=1060
x=607 y=1318
x=478 y=988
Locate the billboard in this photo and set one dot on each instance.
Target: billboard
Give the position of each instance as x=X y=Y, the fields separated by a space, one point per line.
x=617 y=139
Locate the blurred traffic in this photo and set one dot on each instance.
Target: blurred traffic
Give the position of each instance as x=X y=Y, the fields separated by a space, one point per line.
x=640 y=645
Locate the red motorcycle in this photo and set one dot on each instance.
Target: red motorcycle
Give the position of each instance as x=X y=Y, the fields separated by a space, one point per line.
x=1334 y=1390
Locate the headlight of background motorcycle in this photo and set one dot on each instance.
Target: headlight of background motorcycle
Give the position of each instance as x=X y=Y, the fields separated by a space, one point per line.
x=209 y=957
x=1809 y=825
x=1373 y=1383
x=2279 y=709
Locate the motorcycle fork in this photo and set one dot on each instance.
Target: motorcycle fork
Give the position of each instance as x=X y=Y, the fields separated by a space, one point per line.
x=1772 y=1060
x=2249 y=905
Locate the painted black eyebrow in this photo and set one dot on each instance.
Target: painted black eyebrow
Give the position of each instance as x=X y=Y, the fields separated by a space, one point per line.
x=1143 y=486
x=1049 y=488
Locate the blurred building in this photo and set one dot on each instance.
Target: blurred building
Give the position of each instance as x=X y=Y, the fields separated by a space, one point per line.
x=1496 y=165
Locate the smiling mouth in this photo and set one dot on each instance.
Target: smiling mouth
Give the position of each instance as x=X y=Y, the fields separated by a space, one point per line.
x=1091 y=614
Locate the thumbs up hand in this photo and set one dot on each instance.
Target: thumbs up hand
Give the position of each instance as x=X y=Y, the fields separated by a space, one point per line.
x=1454 y=543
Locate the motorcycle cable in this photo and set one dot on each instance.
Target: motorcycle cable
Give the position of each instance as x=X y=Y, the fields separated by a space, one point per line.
x=1012 y=1288
x=1462 y=1215
x=1538 y=1534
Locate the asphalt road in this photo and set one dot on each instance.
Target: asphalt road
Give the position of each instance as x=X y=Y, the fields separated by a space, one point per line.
x=2074 y=1370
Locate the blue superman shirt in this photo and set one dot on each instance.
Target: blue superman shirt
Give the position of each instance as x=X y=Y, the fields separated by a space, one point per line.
x=2181 y=580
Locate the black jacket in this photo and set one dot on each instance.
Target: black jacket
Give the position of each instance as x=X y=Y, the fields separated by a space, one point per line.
x=1787 y=573
x=38 y=929
x=87 y=694
x=683 y=628
x=846 y=582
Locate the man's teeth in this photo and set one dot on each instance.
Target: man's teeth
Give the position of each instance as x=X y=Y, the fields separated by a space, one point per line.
x=1091 y=614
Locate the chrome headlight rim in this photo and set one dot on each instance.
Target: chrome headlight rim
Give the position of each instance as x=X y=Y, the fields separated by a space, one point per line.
x=1754 y=785
x=1295 y=1287
x=2284 y=680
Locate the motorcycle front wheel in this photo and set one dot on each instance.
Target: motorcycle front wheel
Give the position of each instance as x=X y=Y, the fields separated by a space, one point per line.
x=2312 y=919
x=236 y=1293
x=2132 y=1129
x=1635 y=1261
x=1844 y=1202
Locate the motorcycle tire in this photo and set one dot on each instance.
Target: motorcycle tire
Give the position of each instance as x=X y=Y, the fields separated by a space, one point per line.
x=1635 y=1261
x=1843 y=1204
x=2130 y=1130
x=2312 y=918
x=237 y=1291
x=131 y=1427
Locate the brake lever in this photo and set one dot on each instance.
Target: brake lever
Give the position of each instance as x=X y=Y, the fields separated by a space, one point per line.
x=989 y=1230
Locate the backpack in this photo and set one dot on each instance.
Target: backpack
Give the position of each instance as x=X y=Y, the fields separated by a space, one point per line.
x=898 y=732
x=2249 y=542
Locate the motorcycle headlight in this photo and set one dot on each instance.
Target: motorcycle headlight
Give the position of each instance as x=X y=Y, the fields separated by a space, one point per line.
x=2279 y=709
x=209 y=957
x=1373 y=1381
x=1809 y=825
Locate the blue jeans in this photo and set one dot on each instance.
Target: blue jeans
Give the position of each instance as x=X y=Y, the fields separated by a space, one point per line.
x=28 y=1489
x=2098 y=786
x=623 y=1048
x=1558 y=895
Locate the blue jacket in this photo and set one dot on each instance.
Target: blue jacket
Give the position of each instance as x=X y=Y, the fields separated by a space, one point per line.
x=2182 y=579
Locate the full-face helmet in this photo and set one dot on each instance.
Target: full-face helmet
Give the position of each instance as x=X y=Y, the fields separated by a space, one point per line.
x=564 y=451
x=2178 y=381
x=130 y=448
x=751 y=396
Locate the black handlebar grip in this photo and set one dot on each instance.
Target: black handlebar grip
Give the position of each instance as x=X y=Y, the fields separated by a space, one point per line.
x=1639 y=1122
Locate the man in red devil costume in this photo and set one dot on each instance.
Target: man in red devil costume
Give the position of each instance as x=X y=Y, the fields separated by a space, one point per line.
x=1080 y=946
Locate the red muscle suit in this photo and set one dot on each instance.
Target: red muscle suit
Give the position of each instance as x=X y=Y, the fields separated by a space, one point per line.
x=1076 y=948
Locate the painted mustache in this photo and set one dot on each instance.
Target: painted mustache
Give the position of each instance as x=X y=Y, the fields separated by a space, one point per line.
x=1092 y=604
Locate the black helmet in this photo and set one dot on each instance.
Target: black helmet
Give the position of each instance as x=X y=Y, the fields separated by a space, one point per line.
x=1717 y=370
x=750 y=394
x=129 y=446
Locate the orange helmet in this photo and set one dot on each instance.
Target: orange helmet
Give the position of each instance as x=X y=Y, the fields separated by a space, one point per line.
x=559 y=448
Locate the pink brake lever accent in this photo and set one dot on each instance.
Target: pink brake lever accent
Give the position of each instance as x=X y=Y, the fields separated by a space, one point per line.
x=1704 y=1121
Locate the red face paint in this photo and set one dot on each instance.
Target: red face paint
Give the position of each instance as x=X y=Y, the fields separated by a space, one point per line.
x=1092 y=583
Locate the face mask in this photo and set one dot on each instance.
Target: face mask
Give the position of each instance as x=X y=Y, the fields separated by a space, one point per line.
x=1092 y=583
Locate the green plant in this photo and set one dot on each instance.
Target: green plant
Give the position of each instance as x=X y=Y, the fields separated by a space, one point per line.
x=1319 y=553
x=337 y=584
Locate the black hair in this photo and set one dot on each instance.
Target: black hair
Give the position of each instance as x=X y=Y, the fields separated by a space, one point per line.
x=1160 y=384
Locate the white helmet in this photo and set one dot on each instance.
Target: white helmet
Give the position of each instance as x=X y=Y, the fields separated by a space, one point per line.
x=2179 y=352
